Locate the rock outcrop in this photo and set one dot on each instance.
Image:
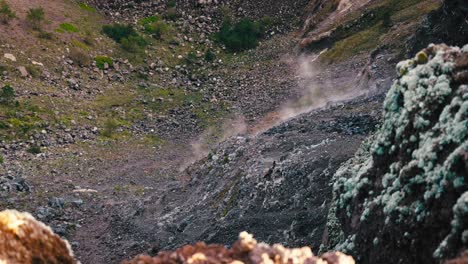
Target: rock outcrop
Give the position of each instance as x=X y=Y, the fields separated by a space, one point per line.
x=245 y=250
x=404 y=195
x=25 y=240
x=448 y=24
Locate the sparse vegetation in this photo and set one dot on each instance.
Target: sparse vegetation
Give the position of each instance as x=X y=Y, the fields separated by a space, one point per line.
x=36 y=17
x=149 y=20
x=155 y=26
x=133 y=44
x=157 y=29
x=45 y=35
x=6 y=14
x=353 y=45
x=86 y=7
x=102 y=60
x=117 y=32
x=79 y=57
x=35 y=149
x=33 y=71
x=191 y=58
x=110 y=126
x=7 y=95
x=210 y=55
x=171 y=3
x=171 y=14
x=69 y=27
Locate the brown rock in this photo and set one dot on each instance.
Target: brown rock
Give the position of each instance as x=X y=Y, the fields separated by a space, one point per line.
x=25 y=240
x=245 y=250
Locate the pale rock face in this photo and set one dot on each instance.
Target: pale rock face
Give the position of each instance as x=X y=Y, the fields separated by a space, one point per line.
x=10 y=56
x=24 y=73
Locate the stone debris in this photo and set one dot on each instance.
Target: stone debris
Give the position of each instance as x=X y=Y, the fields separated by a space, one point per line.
x=246 y=250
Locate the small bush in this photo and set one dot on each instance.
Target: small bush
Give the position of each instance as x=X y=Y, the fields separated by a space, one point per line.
x=171 y=14
x=68 y=27
x=2 y=160
x=7 y=95
x=35 y=17
x=78 y=44
x=191 y=58
x=34 y=149
x=88 y=39
x=102 y=60
x=149 y=20
x=157 y=29
x=210 y=56
x=387 y=19
x=110 y=126
x=126 y=36
x=33 y=71
x=133 y=44
x=118 y=32
x=45 y=35
x=79 y=57
x=171 y=3
x=6 y=14
x=243 y=35
x=87 y=7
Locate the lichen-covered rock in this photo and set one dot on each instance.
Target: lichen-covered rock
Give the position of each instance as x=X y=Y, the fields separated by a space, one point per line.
x=405 y=191
x=25 y=240
x=245 y=250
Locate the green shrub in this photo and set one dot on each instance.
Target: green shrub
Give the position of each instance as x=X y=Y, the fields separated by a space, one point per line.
x=157 y=29
x=118 y=32
x=7 y=95
x=210 y=55
x=243 y=35
x=6 y=14
x=171 y=3
x=149 y=20
x=69 y=27
x=87 y=7
x=45 y=35
x=126 y=36
x=34 y=149
x=191 y=58
x=133 y=43
x=387 y=19
x=2 y=160
x=171 y=14
x=110 y=126
x=33 y=71
x=35 y=17
x=88 y=39
x=102 y=60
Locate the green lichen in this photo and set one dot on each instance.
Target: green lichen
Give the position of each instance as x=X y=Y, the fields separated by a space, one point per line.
x=421 y=142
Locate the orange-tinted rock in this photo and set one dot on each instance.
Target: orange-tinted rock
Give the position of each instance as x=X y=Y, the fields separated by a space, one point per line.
x=25 y=240
x=245 y=250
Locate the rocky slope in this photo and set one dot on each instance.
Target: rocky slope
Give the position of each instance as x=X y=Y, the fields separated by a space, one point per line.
x=406 y=189
x=114 y=139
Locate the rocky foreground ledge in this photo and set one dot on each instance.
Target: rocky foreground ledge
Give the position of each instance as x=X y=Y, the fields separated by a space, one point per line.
x=26 y=240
